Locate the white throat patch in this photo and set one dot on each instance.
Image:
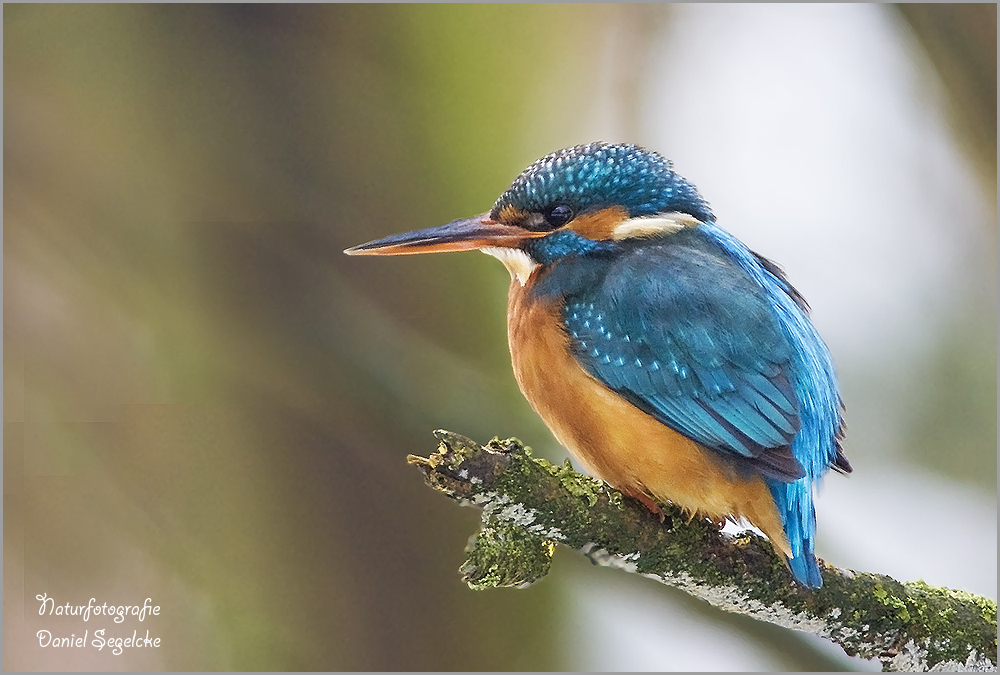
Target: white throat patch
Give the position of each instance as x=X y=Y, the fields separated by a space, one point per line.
x=518 y=263
x=650 y=226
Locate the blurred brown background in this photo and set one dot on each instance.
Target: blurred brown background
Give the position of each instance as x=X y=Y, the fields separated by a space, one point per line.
x=207 y=404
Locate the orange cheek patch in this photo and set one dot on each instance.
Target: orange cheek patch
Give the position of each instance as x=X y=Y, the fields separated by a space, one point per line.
x=510 y=215
x=600 y=225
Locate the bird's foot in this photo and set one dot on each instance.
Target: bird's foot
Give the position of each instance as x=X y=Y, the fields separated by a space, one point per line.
x=648 y=502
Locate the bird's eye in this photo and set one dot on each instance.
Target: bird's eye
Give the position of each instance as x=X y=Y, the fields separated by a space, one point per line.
x=559 y=215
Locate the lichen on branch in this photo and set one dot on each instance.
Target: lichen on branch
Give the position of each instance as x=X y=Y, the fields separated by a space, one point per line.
x=530 y=504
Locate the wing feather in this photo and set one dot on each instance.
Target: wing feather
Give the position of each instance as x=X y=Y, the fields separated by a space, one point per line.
x=689 y=338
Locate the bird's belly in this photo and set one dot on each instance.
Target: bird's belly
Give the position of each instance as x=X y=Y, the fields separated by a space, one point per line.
x=614 y=440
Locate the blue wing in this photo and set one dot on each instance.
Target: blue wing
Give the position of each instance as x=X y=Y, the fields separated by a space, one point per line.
x=686 y=336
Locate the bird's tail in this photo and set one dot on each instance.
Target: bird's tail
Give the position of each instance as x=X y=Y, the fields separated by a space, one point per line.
x=795 y=504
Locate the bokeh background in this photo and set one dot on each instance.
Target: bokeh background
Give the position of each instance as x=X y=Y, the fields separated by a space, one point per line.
x=207 y=404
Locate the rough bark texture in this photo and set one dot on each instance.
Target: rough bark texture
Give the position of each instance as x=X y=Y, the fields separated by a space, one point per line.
x=529 y=505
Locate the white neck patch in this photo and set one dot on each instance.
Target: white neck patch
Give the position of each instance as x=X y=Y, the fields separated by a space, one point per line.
x=650 y=226
x=518 y=263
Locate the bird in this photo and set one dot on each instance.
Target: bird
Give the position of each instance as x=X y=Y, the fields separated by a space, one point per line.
x=673 y=362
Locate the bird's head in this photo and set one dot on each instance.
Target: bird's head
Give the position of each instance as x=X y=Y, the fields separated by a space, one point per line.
x=575 y=201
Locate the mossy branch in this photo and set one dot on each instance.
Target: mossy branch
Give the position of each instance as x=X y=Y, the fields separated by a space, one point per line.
x=529 y=505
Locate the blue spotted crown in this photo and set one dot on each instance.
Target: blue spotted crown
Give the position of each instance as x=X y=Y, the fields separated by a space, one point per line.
x=600 y=175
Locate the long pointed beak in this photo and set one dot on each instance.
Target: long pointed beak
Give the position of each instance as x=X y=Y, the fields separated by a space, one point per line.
x=458 y=235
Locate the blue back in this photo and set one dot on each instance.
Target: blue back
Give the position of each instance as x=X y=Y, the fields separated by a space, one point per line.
x=700 y=333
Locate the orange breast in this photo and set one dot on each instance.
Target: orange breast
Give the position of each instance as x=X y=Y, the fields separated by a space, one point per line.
x=614 y=440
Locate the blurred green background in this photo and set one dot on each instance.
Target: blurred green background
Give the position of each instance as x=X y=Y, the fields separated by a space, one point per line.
x=207 y=404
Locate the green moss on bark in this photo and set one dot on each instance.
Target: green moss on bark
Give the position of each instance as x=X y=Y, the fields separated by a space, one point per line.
x=503 y=555
x=530 y=503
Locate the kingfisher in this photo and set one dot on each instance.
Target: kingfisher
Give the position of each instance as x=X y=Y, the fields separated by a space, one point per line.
x=672 y=361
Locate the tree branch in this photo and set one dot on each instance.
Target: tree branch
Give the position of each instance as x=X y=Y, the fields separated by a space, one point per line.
x=529 y=505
